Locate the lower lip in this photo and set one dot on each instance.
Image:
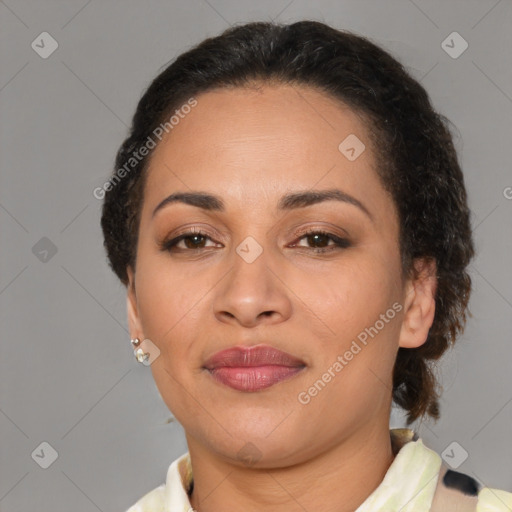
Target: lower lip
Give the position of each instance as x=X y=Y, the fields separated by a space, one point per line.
x=253 y=378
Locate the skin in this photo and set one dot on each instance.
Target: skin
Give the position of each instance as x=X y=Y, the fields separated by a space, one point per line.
x=250 y=146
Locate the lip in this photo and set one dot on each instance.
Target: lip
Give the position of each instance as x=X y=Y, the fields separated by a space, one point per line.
x=252 y=368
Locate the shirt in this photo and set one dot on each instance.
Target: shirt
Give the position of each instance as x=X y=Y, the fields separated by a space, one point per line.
x=416 y=481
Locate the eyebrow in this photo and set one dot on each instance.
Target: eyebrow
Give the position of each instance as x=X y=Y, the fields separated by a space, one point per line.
x=290 y=201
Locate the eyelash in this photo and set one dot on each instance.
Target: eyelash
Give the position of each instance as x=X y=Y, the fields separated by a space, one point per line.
x=339 y=243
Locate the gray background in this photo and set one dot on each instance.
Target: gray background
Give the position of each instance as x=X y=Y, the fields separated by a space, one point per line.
x=67 y=372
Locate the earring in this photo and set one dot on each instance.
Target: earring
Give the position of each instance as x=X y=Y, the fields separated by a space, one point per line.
x=139 y=354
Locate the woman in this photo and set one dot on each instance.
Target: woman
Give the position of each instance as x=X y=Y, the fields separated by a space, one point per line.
x=289 y=217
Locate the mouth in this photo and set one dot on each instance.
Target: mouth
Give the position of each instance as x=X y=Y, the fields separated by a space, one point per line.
x=254 y=368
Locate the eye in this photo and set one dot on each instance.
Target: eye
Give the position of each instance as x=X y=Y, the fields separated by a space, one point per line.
x=195 y=240
x=322 y=239
x=192 y=240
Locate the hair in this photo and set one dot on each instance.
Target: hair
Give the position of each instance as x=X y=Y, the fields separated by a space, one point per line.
x=417 y=161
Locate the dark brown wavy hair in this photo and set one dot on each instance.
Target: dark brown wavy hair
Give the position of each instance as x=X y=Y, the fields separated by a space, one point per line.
x=418 y=164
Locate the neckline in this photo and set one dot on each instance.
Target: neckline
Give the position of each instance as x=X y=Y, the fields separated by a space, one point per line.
x=409 y=483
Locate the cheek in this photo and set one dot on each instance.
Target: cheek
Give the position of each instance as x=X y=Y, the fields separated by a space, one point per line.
x=353 y=295
x=356 y=303
x=166 y=300
x=173 y=309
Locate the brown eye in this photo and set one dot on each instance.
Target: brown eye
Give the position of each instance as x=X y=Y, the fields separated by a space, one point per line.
x=192 y=240
x=318 y=238
x=318 y=241
x=321 y=239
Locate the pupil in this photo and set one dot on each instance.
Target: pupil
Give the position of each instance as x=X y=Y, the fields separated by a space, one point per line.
x=315 y=238
x=189 y=239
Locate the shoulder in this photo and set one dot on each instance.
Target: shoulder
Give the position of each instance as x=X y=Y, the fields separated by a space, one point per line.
x=171 y=495
x=494 y=500
x=452 y=490
x=153 y=501
x=462 y=492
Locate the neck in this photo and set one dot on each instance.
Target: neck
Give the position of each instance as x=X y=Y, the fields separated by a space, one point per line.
x=337 y=480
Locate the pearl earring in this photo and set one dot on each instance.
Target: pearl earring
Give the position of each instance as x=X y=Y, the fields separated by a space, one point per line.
x=139 y=354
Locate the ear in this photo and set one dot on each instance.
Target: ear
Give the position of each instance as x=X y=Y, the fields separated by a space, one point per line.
x=132 y=308
x=420 y=305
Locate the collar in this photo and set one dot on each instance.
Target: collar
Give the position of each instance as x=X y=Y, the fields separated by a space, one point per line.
x=408 y=486
x=410 y=482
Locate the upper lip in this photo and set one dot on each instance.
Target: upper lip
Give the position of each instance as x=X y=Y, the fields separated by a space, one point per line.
x=257 y=355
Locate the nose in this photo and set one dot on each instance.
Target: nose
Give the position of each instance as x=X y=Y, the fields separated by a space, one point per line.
x=252 y=293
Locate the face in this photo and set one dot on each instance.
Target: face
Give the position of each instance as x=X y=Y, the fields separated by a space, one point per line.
x=317 y=279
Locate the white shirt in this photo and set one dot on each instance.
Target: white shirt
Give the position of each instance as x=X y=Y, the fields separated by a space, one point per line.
x=408 y=485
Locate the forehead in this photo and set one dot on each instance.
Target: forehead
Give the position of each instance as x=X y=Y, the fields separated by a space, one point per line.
x=260 y=140
x=284 y=116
